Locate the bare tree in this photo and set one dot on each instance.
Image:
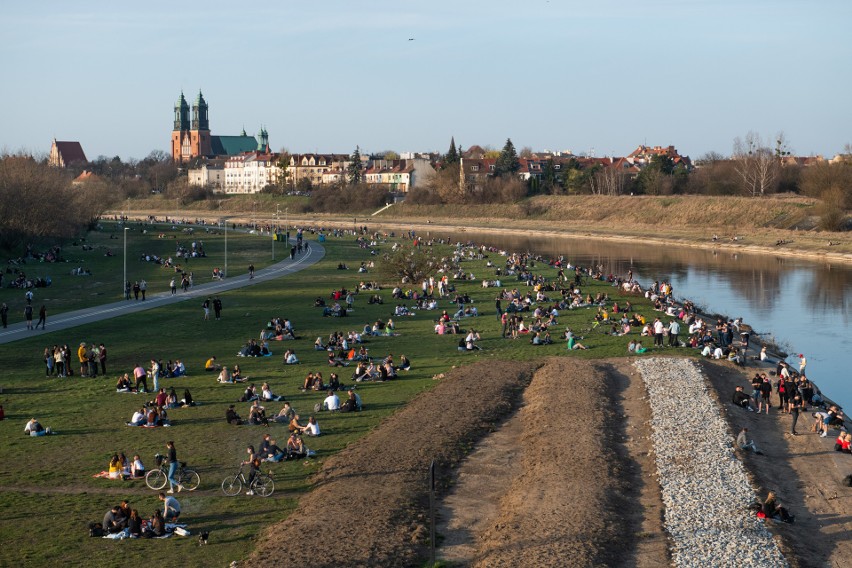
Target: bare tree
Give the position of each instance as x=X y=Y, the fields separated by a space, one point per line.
x=609 y=181
x=756 y=163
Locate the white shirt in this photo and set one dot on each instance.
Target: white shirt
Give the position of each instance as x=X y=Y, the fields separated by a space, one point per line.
x=332 y=402
x=137 y=416
x=312 y=429
x=658 y=327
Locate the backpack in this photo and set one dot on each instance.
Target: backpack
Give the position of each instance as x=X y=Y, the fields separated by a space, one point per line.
x=318 y=407
x=847 y=481
x=95 y=530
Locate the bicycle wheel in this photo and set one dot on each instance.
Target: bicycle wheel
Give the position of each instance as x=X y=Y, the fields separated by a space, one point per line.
x=232 y=486
x=263 y=485
x=156 y=479
x=190 y=479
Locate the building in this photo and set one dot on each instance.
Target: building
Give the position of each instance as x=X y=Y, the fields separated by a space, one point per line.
x=208 y=173
x=398 y=175
x=312 y=167
x=250 y=172
x=63 y=154
x=191 y=137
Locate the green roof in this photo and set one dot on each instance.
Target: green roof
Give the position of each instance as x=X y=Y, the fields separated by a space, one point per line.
x=232 y=145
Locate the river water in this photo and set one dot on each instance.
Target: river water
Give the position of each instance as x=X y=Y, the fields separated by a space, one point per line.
x=804 y=307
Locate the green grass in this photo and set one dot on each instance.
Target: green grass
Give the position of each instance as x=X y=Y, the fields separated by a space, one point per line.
x=68 y=292
x=49 y=480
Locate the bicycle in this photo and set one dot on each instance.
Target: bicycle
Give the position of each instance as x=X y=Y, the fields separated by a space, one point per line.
x=262 y=484
x=158 y=478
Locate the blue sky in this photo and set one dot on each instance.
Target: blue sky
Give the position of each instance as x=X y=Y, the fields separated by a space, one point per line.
x=599 y=76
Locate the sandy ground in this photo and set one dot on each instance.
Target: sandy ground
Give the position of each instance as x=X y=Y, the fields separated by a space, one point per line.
x=804 y=471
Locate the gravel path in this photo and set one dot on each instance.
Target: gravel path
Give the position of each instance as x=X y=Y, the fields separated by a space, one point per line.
x=705 y=487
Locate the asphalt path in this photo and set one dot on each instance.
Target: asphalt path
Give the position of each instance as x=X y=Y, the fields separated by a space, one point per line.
x=66 y=320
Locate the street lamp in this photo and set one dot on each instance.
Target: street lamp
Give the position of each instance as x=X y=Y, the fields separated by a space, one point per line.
x=226 y=248
x=124 y=281
x=275 y=231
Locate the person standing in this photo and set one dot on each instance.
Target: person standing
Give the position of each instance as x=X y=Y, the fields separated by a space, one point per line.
x=155 y=374
x=499 y=306
x=102 y=358
x=171 y=458
x=28 y=315
x=658 y=332
x=173 y=286
x=136 y=289
x=795 y=407
x=206 y=306
x=42 y=317
x=674 y=331
x=141 y=378
x=251 y=271
x=143 y=286
x=4 y=314
x=803 y=362
x=127 y=290
x=217 y=307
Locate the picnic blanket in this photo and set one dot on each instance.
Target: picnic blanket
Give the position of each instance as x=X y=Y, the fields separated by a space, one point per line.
x=171 y=528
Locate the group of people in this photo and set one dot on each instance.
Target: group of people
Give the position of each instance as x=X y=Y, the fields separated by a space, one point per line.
x=58 y=360
x=122 y=518
x=122 y=468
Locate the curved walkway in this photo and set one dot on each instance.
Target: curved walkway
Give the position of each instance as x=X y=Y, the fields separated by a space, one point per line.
x=67 y=320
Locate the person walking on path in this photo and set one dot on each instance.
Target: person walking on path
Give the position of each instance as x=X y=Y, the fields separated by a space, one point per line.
x=173 y=286
x=795 y=407
x=42 y=317
x=4 y=314
x=136 y=289
x=28 y=315
x=173 y=465
x=251 y=273
x=143 y=286
x=127 y=290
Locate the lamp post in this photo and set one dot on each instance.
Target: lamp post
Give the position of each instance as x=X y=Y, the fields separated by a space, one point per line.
x=226 y=247
x=275 y=231
x=124 y=281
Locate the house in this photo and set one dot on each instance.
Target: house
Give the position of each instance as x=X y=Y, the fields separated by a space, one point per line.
x=250 y=172
x=208 y=173
x=63 y=154
x=398 y=175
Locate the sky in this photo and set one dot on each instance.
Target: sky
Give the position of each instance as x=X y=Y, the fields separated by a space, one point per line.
x=596 y=77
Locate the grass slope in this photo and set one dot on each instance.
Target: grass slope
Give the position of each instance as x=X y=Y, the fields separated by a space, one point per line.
x=49 y=479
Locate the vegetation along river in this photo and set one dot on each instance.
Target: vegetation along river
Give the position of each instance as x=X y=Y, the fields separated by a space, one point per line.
x=804 y=307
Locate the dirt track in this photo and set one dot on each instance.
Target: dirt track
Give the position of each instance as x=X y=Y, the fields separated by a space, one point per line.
x=370 y=502
x=579 y=486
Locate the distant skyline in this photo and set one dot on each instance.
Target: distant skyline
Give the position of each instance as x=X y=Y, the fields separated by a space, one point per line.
x=561 y=75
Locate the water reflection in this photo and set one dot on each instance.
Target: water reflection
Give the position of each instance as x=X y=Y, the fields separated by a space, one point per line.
x=803 y=305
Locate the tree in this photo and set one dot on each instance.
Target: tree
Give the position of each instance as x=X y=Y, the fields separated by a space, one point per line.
x=409 y=264
x=756 y=164
x=354 y=170
x=507 y=163
x=390 y=155
x=526 y=152
x=452 y=155
x=609 y=181
x=656 y=177
x=446 y=184
x=548 y=177
x=283 y=165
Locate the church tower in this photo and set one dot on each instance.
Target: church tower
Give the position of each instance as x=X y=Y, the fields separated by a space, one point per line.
x=200 y=133
x=263 y=140
x=180 y=132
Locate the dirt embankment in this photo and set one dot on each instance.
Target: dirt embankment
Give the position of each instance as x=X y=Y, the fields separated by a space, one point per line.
x=580 y=488
x=369 y=506
x=803 y=470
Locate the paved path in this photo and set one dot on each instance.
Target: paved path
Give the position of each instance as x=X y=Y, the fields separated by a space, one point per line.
x=67 y=320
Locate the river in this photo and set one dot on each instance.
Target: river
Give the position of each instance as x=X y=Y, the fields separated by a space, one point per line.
x=802 y=306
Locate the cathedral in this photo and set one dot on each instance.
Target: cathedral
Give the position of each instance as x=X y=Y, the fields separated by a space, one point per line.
x=192 y=138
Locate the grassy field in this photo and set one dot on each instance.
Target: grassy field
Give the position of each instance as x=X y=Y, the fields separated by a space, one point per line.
x=71 y=292
x=47 y=492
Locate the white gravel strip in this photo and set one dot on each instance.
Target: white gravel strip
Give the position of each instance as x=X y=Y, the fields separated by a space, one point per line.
x=705 y=487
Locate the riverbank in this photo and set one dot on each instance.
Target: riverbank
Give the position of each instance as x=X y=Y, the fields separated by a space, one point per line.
x=740 y=224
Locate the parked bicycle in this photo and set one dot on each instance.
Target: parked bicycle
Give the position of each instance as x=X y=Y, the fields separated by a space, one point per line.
x=159 y=477
x=262 y=484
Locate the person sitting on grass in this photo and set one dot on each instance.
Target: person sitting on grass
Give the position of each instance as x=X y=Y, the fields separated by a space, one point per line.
x=290 y=358
x=34 y=428
x=137 y=468
x=211 y=366
x=114 y=522
x=231 y=416
x=267 y=394
x=285 y=414
x=114 y=467
x=742 y=400
x=640 y=349
x=139 y=417
x=331 y=402
x=250 y=394
x=157 y=525
x=187 y=401
x=404 y=363
x=123 y=384
x=295 y=447
x=312 y=428
x=572 y=341
x=274 y=453
x=257 y=414
x=295 y=425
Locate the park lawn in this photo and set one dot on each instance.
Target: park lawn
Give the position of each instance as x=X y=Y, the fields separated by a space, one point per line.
x=71 y=292
x=50 y=478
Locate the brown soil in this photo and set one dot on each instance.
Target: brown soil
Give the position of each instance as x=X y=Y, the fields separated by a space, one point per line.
x=804 y=471
x=569 y=476
x=374 y=494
